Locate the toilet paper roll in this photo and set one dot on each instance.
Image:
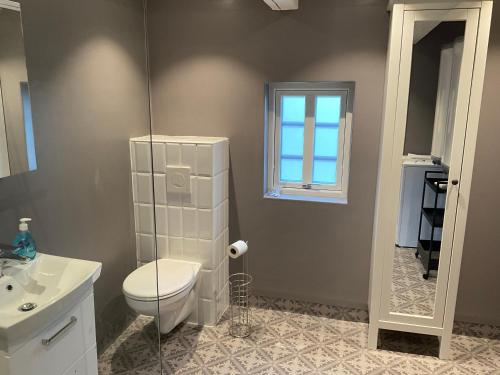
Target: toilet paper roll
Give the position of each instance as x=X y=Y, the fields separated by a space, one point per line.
x=237 y=249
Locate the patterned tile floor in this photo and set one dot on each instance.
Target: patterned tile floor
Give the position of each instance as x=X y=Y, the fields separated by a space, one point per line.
x=291 y=337
x=411 y=293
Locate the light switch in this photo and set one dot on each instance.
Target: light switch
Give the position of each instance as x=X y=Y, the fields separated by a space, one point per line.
x=178 y=180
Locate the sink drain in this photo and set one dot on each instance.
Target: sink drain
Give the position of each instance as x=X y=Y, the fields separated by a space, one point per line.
x=27 y=306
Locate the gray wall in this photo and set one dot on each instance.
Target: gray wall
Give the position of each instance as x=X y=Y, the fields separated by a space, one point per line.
x=426 y=58
x=209 y=62
x=86 y=64
x=12 y=73
x=422 y=96
x=479 y=290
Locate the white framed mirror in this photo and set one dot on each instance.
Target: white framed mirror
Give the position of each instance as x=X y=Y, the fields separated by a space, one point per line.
x=17 y=143
x=437 y=54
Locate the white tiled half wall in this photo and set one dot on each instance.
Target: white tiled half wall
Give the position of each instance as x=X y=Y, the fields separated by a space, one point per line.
x=189 y=226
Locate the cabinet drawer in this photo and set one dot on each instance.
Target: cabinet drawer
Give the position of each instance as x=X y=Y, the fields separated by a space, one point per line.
x=59 y=346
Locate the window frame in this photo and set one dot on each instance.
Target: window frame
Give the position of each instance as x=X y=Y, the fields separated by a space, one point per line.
x=307 y=190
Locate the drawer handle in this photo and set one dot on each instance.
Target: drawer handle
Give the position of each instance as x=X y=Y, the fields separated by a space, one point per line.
x=72 y=322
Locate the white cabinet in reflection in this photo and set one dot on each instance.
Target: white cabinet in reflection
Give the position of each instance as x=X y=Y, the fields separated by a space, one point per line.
x=446 y=100
x=412 y=188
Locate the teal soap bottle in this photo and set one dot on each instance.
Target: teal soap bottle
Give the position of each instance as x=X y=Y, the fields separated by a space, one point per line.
x=24 y=242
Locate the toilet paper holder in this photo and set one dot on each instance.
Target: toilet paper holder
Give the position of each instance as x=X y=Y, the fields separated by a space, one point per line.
x=239 y=292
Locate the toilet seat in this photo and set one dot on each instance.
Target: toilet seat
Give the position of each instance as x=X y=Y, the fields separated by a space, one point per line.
x=174 y=277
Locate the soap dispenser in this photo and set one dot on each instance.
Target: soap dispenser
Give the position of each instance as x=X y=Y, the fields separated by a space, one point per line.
x=24 y=242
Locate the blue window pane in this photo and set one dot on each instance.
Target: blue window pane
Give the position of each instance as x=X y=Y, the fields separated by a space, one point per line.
x=325 y=171
x=328 y=109
x=292 y=140
x=326 y=139
x=291 y=170
x=293 y=109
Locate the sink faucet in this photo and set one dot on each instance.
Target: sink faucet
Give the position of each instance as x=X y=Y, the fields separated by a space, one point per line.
x=7 y=254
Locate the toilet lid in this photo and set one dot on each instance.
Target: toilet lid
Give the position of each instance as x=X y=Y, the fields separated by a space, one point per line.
x=173 y=278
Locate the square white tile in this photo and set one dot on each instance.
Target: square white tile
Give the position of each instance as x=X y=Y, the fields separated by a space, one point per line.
x=208 y=284
x=226 y=238
x=146 y=247
x=175 y=221
x=205 y=224
x=160 y=189
x=225 y=214
x=175 y=247
x=161 y=220
x=173 y=154
x=218 y=188
x=188 y=157
x=191 y=200
x=225 y=268
x=162 y=247
x=146 y=219
x=221 y=280
x=190 y=249
x=218 y=158
x=204 y=160
x=136 y=218
x=207 y=312
x=134 y=188
x=218 y=250
x=143 y=157
x=174 y=199
x=193 y=318
x=205 y=192
x=226 y=155
x=217 y=221
x=131 y=146
x=159 y=158
x=144 y=188
x=223 y=301
x=190 y=222
x=206 y=254
x=226 y=184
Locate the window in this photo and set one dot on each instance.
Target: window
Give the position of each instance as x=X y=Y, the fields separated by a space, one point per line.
x=308 y=140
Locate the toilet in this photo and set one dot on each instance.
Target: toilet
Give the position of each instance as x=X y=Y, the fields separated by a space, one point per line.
x=172 y=299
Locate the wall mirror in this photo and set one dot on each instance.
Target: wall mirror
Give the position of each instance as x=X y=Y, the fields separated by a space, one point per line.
x=434 y=71
x=17 y=144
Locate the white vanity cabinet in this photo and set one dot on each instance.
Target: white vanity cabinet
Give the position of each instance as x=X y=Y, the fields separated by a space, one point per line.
x=67 y=346
x=47 y=324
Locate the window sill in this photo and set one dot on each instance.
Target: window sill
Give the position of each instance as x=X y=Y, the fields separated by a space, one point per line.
x=304 y=198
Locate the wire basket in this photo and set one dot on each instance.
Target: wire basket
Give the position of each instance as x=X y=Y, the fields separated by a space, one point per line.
x=239 y=291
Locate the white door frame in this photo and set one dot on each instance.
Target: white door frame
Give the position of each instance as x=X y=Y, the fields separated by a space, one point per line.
x=478 y=16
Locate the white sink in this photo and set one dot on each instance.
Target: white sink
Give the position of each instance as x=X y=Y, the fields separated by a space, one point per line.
x=53 y=283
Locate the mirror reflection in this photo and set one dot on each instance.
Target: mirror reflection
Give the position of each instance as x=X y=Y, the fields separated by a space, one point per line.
x=17 y=145
x=435 y=70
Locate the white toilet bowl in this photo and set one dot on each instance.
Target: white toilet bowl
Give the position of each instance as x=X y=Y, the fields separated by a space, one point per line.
x=170 y=297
